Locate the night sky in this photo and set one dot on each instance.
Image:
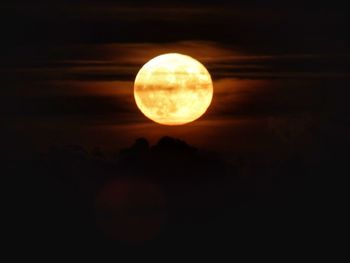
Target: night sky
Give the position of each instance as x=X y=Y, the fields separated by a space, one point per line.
x=279 y=118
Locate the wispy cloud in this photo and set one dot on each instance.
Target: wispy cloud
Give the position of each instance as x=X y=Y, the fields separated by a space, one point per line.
x=97 y=76
x=121 y=61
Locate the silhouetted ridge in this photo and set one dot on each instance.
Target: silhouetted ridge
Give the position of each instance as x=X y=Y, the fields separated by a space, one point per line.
x=168 y=144
x=170 y=157
x=137 y=151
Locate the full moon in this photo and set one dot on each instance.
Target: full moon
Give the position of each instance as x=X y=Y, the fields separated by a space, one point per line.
x=173 y=89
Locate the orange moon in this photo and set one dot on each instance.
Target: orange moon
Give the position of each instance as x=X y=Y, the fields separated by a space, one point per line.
x=173 y=89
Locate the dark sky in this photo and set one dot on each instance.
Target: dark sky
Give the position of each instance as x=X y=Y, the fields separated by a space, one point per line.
x=280 y=70
x=255 y=172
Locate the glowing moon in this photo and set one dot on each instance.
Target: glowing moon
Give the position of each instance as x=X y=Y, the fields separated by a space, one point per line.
x=173 y=89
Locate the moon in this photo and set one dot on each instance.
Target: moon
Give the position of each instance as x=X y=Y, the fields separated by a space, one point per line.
x=173 y=89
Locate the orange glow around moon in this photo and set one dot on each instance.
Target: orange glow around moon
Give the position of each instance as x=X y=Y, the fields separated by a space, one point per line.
x=173 y=89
